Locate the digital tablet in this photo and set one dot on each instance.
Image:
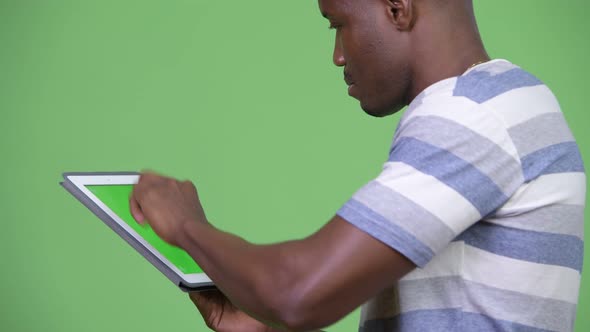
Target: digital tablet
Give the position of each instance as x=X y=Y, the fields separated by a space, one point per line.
x=106 y=194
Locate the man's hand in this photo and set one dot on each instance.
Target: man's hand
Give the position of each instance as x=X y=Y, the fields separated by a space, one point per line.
x=221 y=315
x=166 y=204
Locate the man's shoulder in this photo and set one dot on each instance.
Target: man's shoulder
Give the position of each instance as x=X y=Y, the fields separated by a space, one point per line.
x=498 y=103
x=497 y=93
x=485 y=84
x=493 y=79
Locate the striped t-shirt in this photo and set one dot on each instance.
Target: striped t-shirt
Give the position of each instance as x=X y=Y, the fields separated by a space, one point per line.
x=484 y=190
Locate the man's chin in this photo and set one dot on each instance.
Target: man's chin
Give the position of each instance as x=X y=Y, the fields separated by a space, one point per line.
x=378 y=111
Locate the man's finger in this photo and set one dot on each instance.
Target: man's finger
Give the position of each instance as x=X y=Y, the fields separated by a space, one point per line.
x=188 y=187
x=202 y=302
x=136 y=209
x=144 y=182
x=146 y=174
x=148 y=171
x=194 y=297
x=205 y=299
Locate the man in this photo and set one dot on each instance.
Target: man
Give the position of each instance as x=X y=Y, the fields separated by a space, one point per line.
x=474 y=224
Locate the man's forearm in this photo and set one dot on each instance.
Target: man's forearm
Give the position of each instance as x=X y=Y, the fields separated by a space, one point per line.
x=300 y=285
x=256 y=278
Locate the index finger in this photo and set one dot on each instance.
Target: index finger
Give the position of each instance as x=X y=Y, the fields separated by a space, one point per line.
x=147 y=174
x=135 y=208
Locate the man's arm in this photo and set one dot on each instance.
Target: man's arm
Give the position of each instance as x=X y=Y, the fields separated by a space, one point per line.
x=302 y=284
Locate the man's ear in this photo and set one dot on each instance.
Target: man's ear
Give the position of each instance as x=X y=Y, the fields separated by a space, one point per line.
x=401 y=13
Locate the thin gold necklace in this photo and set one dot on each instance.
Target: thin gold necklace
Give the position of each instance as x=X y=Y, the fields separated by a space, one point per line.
x=477 y=63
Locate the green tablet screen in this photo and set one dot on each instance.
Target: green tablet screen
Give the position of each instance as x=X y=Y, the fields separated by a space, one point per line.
x=116 y=197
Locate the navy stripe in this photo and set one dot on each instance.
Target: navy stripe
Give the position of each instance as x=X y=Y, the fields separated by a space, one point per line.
x=468 y=145
x=389 y=233
x=443 y=320
x=537 y=247
x=481 y=86
x=453 y=171
x=512 y=306
x=557 y=158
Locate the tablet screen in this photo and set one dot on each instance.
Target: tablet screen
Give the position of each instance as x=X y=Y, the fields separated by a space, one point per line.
x=116 y=197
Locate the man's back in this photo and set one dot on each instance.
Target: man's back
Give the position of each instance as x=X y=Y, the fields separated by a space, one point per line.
x=484 y=190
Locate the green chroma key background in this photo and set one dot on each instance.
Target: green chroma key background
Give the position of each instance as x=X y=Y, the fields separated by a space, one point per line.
x=241 y=97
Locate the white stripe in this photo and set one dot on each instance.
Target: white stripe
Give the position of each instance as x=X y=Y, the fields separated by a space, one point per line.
x=494 y=67
x=446 y=263
x=434 y=196
x=439 y=89
x=480 y=266
x=548 y=281
x=558 y=188
x=521 y=104
x=472 y=116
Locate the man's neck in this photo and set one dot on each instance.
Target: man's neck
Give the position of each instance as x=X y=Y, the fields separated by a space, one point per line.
x=443 y=50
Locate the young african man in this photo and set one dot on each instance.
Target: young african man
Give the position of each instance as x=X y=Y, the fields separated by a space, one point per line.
x=474 y=224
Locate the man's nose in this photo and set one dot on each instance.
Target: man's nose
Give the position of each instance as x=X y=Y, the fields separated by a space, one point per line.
x=338 y=56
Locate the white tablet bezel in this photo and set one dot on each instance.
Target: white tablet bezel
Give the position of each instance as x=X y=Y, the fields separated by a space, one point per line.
x=80 y=181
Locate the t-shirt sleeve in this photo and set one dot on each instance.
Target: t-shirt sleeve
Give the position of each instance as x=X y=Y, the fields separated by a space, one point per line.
x=447 y=169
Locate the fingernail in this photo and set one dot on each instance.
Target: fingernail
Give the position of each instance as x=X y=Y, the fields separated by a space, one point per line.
x=138 y=217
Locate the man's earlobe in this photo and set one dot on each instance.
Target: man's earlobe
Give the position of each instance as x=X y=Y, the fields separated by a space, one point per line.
x=401 y=13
